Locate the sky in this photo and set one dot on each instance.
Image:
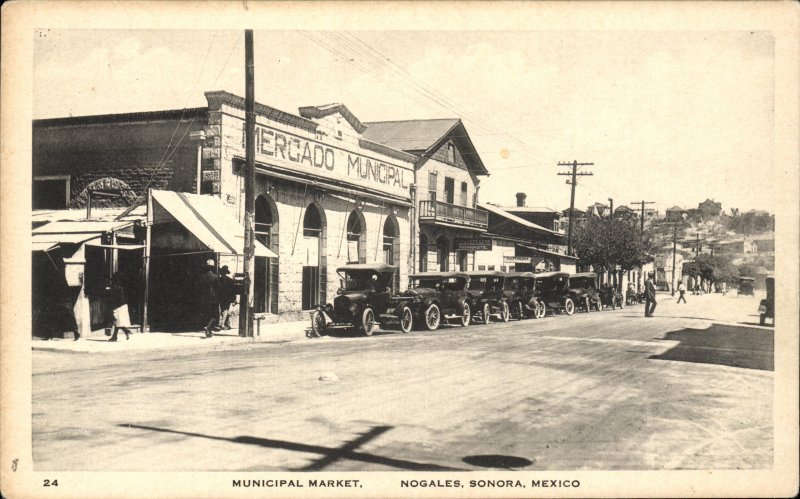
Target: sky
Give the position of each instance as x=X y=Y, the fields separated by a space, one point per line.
x=672 y=117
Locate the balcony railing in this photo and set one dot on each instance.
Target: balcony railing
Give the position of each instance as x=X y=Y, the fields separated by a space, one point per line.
x=439 y=212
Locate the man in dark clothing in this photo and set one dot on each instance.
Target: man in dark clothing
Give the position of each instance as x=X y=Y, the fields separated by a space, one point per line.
x=649 y=296
x=227 y=297
x=209 y=289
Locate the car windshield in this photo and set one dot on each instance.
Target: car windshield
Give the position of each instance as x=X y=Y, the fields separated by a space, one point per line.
x=551 y=284
x=511 y=283
x=582 y=282
x=362 y=280
x=484 y=283
x=450 y=283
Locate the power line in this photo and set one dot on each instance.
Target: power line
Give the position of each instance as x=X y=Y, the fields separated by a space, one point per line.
x=379 y=62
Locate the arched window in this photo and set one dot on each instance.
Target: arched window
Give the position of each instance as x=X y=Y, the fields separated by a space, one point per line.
x=391 y=241
x=423 y=253
x=263 y=221
x=443 y=253
x=266 y=270
x=314 y=266
x=356 y=238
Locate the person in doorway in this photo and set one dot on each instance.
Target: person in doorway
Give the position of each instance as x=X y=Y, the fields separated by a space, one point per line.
x=649 y=296
x=119 y=305
x=682 y=291
x=227 y=297
x=209 y=298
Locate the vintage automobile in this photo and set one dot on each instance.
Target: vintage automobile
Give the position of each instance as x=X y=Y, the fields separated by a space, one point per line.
x=766 y=309
x=364 y=299
x=583 y=290
x=437 y=296
x=519 y=291
x=746 y=286
x=486 y=288
x=552 y=290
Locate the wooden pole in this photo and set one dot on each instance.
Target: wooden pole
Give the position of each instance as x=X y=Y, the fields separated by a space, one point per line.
x=246 y=303
x=147 y=244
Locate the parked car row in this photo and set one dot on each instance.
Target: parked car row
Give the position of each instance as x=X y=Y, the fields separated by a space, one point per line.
x=365 y=298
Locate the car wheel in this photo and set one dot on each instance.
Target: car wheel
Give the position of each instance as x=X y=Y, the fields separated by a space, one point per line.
x=406 y=320
x=317 y=324
x=506 y=312
x=598 y=306
x=466 y=315
x=367 y=321
x=487 y=313
x=569 y=306
x=520 y=310
x=432 y=317
x=541 y=310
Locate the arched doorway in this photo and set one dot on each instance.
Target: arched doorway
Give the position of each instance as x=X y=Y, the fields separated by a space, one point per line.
x=443 y=253
x=356 y=238
x=314 y=268
x=423 y=253
x=265 y=270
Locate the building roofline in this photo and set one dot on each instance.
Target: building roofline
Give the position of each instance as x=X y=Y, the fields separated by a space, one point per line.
x=97 y=119
x=218 y=97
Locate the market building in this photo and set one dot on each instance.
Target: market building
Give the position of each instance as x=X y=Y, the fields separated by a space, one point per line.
x=326 y=195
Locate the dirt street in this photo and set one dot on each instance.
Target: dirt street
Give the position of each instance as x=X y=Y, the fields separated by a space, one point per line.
x=606 y=390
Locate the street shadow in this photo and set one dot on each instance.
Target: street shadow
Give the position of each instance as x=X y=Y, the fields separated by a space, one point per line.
x=328 y=455
x=498 y=461
x=723 y=344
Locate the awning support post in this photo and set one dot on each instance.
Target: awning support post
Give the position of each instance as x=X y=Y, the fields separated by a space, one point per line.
x=148 y=234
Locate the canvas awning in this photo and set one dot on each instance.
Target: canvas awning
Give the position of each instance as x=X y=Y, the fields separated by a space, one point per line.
x=207 y=219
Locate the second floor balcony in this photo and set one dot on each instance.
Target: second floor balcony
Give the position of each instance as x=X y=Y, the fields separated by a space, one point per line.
x=438 y=212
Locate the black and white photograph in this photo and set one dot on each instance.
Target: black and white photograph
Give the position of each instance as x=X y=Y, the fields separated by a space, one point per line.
x=400 y=249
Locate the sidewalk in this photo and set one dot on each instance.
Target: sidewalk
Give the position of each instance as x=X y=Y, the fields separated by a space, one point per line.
x=278 y=332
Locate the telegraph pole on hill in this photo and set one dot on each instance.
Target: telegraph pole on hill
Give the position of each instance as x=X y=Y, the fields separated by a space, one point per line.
x=246 y=301
x=573 y=181
x=643 y=203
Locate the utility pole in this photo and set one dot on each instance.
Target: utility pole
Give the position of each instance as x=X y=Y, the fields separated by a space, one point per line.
x=574 y=174
x=674 y=248
x=246 y=302
x=643 y=203
x=611 y=208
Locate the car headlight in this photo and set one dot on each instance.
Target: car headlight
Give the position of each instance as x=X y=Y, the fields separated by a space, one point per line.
x=354 y=307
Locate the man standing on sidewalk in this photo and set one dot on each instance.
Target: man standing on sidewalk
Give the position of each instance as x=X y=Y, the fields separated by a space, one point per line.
x=649 y=296
x=682 y=291
x=209 y=298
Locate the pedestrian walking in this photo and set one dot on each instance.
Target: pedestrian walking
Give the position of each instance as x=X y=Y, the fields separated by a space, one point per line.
x=649 y=296
x=682 y=291
x=227 y=297
x=209 y=298
x=119 y=305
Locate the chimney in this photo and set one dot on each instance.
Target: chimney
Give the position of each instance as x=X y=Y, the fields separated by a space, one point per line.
x=521 y=199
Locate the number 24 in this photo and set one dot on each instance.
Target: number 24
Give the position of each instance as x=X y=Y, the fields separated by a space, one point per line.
x=48 y=483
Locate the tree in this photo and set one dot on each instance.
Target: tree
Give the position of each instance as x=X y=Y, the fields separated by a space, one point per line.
x=610 y=244
x=711 y=268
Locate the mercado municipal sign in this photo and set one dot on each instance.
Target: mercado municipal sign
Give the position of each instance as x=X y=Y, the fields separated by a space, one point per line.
x=366 y=170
